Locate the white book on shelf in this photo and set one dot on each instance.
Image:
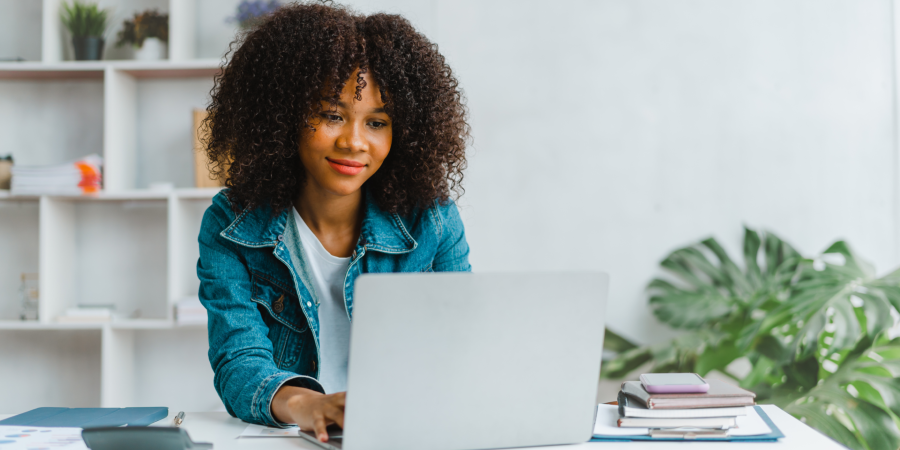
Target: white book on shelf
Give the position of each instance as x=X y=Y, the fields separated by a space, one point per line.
x=86 y=315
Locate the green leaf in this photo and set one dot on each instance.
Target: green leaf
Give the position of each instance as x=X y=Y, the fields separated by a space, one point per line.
x=615 y=342
x=84 y=19
x=752 y=245
x=877 y=310
x=814 y=414
x=874 y=425
x=689 y=309
x=852 y=262
x=739 y=283
x=625 y=363
x=761 y=368
x=717 y=358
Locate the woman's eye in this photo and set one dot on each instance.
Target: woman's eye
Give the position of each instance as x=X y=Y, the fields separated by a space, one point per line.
x=331 y=117
x=377 y=125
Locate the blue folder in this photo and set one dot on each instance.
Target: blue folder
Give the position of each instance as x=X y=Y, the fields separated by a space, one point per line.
x=771 y=437
x=88 y=417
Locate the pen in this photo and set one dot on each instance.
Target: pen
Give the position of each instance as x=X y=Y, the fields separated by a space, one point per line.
x=179 y=418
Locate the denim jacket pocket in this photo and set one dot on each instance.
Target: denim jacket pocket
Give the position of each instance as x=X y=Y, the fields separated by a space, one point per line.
x=285 y=318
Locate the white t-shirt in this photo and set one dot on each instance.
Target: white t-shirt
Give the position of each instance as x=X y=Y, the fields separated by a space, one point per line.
x=328 y=274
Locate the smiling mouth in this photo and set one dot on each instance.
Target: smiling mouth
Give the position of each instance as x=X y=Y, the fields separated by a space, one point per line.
x=346 y=166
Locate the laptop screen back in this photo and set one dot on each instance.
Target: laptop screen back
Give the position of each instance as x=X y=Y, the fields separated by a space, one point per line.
x=474 y=361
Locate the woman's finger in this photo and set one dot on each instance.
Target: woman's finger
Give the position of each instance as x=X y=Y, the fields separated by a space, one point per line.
x=319 y=426
x=335 y=414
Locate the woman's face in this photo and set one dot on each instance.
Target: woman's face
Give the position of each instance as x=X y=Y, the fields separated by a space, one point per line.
x=349 y=143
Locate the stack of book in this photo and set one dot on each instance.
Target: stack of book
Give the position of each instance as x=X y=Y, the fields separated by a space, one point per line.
x=707 y=415
x=76 y=178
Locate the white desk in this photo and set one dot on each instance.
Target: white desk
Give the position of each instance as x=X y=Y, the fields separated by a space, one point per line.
x=222 y=430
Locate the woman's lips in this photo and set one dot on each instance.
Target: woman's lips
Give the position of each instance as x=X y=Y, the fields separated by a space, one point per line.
x=346 y=166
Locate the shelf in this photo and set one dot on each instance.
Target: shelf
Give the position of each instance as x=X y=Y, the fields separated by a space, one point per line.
x=7 y=195
x=73 y=70
x=125 y=324
x=129 y=195
x=197 y=193
x=33 y=325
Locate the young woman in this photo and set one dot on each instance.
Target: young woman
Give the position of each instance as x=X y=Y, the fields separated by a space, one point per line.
x=342 y=138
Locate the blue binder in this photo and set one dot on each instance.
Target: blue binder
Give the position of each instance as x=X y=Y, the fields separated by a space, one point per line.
x=771 y=437
x=88 y=417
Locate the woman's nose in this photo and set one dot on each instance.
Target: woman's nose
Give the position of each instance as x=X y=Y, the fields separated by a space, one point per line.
x=352 y=138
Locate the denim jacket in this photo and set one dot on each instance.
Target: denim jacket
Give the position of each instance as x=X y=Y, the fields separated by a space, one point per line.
x=262 y=307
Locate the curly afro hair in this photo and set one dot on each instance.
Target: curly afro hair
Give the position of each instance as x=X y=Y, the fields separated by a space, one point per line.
x=304 y=53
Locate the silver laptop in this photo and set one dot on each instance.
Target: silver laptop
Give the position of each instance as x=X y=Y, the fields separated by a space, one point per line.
x=458 y=361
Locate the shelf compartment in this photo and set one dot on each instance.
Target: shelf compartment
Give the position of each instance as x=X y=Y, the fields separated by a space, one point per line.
x=185 y=218
x=50 y=368
x=104 y=253
x=19 y=242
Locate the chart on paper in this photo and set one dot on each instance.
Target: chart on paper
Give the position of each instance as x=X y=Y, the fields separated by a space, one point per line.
x=23 y=438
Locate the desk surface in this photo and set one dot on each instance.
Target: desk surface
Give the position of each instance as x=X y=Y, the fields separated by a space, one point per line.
x=222 y=430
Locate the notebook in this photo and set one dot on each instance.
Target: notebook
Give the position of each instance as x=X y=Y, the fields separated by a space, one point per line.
x=88 y=417
x=719 y=395
x=629 y=407
x=715 y=423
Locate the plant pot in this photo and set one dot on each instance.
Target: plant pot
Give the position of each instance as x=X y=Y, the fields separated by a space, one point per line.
x=152 y=50
x=88 y=48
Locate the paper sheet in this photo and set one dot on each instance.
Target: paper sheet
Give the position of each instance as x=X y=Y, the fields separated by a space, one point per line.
x=607 y=415
x=750 y=425
x=26 y=438
x=262 y=431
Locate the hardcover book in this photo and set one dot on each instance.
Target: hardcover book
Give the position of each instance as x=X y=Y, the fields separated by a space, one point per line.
x=719 y=395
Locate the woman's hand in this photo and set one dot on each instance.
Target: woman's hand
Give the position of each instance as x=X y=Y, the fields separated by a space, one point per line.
x=309 y=409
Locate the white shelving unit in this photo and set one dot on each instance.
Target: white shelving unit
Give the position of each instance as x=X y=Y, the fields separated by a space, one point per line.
x=128 y=246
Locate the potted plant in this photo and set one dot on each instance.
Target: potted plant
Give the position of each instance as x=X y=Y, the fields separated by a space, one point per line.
x=251 y=12
x=148 y=34
x=86 y=22
x=815 y=336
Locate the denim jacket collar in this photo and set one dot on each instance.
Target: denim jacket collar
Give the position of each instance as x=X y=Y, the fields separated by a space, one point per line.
x=381 y=231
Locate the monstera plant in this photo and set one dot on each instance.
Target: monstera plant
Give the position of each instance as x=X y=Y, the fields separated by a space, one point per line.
x=811 y=335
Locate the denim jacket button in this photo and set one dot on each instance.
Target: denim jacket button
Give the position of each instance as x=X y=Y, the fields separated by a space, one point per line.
x=279 y=305
x=280 y=238
x=309 y=304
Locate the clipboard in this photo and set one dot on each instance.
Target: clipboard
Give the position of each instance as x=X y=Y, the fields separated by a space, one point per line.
x=773 y=436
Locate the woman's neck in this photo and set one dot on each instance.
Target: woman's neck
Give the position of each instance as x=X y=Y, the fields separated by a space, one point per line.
x=334 y=219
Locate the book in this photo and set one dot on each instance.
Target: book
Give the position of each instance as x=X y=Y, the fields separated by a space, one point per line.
x=629 y=407
x=85 y=315
x=88 y=417
x=715 y=423
x=76 y=178
x=720 y=395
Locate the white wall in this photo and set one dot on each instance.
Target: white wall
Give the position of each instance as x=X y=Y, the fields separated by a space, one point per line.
x=18 y=37
x=607 y=133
